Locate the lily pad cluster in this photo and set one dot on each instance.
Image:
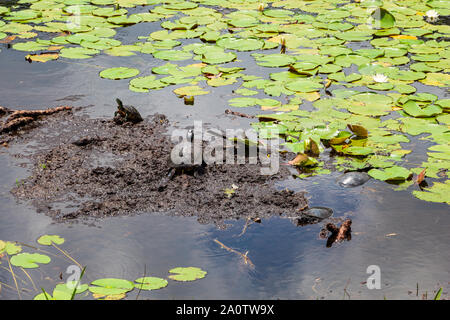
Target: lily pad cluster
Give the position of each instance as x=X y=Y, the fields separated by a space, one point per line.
x=104 y=288
x=350 y=79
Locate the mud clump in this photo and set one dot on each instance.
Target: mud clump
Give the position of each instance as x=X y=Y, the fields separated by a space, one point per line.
x=84 y=167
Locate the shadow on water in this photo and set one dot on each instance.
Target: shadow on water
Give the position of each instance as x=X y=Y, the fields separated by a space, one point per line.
x=407 y=238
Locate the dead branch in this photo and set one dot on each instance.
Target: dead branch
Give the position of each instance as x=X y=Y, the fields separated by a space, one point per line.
x=20 y=118
x=246 y=259
x=234 y=113
x=36 y=113
x=3 y=111
x=16 y=123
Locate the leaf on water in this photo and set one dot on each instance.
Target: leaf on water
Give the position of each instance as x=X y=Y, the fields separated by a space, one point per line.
x=190 y=91
x=48 y=240
x=110 y=286
x=119 y=73
x=395 y=173
x=187 y=273
x=9 y=247
x=43 y=57
x=359 y=130
x=150 y=283
x=29 y=260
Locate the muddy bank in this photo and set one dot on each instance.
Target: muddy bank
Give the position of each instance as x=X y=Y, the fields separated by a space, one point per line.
x=83 y=167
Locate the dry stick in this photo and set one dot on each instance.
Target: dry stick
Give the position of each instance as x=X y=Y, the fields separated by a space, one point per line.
x=247 y=260
x=345 y=289
x=245 y=226
x=19 y=278
x=32 y=282
x=14 y=277
x=140 y=288
x=67 y=255
x=6 y=285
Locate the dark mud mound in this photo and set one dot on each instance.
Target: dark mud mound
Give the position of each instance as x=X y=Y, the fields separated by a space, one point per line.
x=85 y=167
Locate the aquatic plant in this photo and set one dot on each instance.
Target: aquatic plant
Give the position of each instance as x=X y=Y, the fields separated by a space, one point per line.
x=355 y=63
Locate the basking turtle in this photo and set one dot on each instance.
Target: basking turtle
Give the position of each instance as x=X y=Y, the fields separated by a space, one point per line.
x=189 y=167
x=128 y=113
x=180 y=168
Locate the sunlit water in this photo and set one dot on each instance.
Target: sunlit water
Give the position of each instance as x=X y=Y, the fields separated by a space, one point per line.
x=407 y=238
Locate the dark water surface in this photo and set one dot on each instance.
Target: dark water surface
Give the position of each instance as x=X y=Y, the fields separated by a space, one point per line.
x=407 y=238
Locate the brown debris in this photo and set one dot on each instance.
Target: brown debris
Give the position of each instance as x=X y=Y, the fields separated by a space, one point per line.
x=13 y=124
x=20 y=118
x=3 y=111
x=338 y=234
x=234 y=113
x=36 y=113
x=244 y=256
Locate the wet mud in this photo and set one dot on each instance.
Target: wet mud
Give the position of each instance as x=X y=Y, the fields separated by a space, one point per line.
x=83 y=167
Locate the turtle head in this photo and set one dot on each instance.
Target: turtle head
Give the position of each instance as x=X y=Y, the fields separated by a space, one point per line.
x=119 y=104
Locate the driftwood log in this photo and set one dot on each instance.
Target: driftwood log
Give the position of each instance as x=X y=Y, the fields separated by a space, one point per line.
x=20 y=118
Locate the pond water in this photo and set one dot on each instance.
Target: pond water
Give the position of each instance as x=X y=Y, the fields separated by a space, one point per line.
x=406 y=237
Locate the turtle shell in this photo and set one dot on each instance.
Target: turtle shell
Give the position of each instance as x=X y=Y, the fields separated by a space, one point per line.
x=353 y=179
x=132 y=114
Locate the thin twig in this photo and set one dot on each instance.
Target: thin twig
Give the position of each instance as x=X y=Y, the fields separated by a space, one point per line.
x=32 y=282
x=345 y=289
x=67 y=255
x=140 y=288
x=245 y=226
x=14 y=277
x=246 y=259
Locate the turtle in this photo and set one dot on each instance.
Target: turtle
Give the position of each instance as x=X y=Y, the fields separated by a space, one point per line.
x=128 y=113
x=353 y=179
x=190 y=167
x=180 y=168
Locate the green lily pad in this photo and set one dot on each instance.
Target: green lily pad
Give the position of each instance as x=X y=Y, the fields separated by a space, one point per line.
x=48 y=240
x=172 y=55
x=413 y=109
x=187 y=273
x=29 y=260
x=10 y=248
x=110 y=286
x=77 y=53
x=240 y=44
x=218 y=57
x=357 y=151
x=190 y=91
x=438 y=192
x=395 y=173
x=274 y=60
x=303 y=85
x=119 y=73
x=150 y=283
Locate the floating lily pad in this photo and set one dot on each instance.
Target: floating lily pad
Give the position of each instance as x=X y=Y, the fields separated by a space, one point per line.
x=119 y=73
x=413 y=109
x=29 y=260
x=173 y=55
x=150 y=283
x=274 y=60
x=187 y=273
x=395 y=173
x=48 y=240
x=110 y=286
x=190 y=91
x=9 y=247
